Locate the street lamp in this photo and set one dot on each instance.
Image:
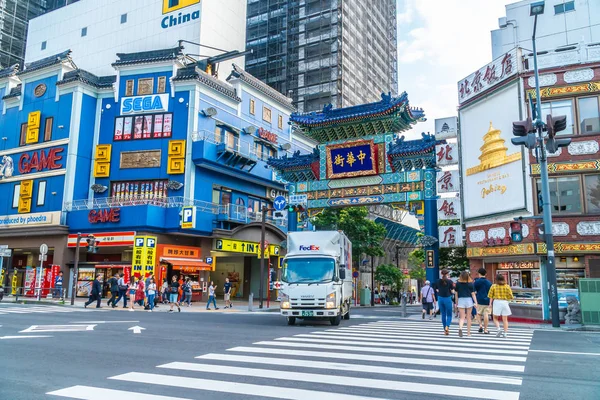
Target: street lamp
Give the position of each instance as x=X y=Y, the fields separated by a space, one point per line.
x=537 y=8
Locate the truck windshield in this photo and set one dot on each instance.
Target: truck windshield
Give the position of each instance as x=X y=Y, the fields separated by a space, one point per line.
x=307 y=270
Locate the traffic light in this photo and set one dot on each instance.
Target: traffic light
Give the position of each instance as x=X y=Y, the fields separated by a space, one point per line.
x=555 y=125
x=525 y=132
x=296 y=208
x=92 y=244
x=516 y=231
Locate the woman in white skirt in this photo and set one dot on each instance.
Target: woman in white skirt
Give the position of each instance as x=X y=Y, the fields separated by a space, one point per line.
x=465 y=301
x=500 y=294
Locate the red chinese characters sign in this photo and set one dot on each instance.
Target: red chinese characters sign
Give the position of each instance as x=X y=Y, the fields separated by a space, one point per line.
x=450 y=236
x=265 y=134
x=448 y=208
x=446 y=154
x=495 y=72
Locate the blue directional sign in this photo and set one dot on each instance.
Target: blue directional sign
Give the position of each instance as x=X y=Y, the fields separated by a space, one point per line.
x=279 y=203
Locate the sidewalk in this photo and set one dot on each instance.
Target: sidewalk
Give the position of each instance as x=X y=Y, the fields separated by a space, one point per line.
x=238 y=305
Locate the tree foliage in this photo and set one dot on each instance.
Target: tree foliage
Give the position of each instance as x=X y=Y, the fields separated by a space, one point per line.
x=387 y=274
x=454 y=258
x=366 y=235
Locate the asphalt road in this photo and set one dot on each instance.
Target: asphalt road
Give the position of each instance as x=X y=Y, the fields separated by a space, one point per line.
x=256 y=355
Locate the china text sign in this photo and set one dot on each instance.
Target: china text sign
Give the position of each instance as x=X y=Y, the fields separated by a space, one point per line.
x=450 y=236
x=448 y=209
x=351 y=159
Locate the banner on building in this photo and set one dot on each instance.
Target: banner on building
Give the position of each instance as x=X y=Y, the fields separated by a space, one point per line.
x=139 y=256
x=447 y=181
x=448 y=208
x=150 y=259
x=450 y=236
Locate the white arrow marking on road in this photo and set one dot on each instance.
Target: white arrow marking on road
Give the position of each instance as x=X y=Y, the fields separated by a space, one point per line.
x=136 y=329
x=22 y=337
x=103 y=322
x=58 y=328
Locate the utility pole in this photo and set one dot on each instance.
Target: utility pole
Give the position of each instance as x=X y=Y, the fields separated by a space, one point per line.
x=263 y=228
x=372 y=281
x=75 y=269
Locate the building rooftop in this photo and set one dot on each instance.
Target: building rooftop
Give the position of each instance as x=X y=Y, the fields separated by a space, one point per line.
x=240 y=73
x=84 y=76
x=413 y=154
x=152 y=56
x=14 y=92
x=48 y=61
x=191 y=72
x=9 y=71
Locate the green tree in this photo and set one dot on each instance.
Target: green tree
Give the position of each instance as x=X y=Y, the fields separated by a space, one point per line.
x=387 y=274
x=366 y=235
x=455 y=259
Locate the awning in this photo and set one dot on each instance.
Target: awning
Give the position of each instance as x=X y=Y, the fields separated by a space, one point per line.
x=187 y=263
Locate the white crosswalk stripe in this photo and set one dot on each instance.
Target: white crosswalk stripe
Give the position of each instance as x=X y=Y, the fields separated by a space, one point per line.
x=364 y=361
x=6 y=309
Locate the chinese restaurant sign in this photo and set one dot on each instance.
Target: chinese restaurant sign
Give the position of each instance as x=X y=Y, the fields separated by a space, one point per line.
x=351 y=159
x=446 y=154
x=450 y=236
x=448 y=208
x=484 y=78
x=447 y=181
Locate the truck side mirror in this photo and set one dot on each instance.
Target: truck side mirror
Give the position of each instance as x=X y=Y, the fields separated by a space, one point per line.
x=342 y=273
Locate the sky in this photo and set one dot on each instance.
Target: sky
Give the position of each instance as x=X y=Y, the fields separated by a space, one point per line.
x=439 y=43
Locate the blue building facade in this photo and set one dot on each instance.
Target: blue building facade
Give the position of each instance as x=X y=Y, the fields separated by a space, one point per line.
x=161 y=150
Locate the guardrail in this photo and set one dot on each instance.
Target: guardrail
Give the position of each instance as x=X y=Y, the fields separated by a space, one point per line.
x=35 y=293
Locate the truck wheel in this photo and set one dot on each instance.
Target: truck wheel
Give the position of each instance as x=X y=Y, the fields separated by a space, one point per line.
x=335 y=321
x=291 y=320
x=347 y=315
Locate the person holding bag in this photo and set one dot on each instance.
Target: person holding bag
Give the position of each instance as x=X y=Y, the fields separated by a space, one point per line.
x=445 y=290
x=427 y=300
x=174 y=294
x=500 y=294
x=151 y=290
x=465 y=300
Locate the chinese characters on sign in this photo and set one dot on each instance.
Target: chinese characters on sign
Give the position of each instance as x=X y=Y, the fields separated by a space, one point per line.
x=430 y=261
x=446 y=154
x=498 y=70
x=351 y=159
x=450 y=236
x=448 y=208
x=447 y=181
x=144 y=256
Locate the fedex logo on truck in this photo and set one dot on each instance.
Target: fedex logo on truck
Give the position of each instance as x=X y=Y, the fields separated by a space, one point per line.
x=312 y=247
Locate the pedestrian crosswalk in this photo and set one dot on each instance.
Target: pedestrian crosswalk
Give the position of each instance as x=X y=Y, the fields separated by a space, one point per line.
x=375 y=360
x=9 y=308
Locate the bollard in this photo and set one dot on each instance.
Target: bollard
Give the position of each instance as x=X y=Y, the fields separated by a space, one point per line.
x=404 y=305
x=250 y=301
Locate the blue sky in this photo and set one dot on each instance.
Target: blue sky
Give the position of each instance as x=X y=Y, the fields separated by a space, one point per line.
x=440 y=42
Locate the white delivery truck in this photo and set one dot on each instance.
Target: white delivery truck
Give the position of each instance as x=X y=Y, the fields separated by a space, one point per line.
x=316 y=281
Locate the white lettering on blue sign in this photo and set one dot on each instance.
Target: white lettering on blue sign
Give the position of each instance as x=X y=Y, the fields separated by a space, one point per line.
x=150 y=242
x=140 y=104
x=173 y=20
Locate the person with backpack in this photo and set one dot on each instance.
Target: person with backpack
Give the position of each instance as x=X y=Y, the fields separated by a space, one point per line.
x=173 y=294
x=465 y=300
x=500 y=294
x=445 y=291
x=187 y=291
x=482 y=288
x=427 y=299
x=151 y=290
x=122 y=290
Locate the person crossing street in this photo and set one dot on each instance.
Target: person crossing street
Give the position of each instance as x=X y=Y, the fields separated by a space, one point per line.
x=96 y=292
x=211 y=296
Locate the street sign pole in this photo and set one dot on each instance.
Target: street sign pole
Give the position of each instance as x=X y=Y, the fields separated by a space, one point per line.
x=43 y=252
x=75 y=269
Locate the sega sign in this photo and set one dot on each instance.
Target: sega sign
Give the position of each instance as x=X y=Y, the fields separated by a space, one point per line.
x=312 y=247
x=142 y=104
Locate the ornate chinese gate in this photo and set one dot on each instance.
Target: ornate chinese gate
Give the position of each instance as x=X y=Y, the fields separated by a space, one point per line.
x=361 y=160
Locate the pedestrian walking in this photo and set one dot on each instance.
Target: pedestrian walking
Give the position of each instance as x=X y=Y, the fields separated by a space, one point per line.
x=122 y=290
x=445 y=291
x=174 y=293
x=96 y=292
x=211 y=296
x=113 y=286
x=482 y=288
x=500 y=294
x=132 y=291
x=427 y=300
x=151 y=290
x=465 y=301
x=227 y=293
x=140 y=293
x=414 y=297
x=164 y=290
x=58 y=286
x=187 y=291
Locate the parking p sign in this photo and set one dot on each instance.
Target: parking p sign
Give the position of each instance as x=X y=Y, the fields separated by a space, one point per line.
x=188 y=217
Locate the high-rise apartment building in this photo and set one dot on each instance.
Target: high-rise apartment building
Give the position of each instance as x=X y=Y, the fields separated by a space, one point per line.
x=14 y=18
x=324 y=51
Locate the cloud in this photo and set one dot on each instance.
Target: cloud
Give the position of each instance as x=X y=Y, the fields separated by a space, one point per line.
x=440 y=42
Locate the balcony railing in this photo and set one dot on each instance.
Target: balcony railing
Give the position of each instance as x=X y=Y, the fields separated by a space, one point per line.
x=228 y=212
x=580 y=53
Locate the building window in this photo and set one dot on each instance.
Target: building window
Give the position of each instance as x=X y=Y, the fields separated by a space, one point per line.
x=149 y=126
x=565 y=7
x=123 y=18
x=84 y=31
x=589 y=115
x=252 y=107
x=565 y=195
x=145 y=86
x=264 y=151
x=592 y=193
x=16 y=196
x=23 y=139
x=44 y=45
x=155 y=189
x=280 y=122
x=267 y=114
x=41 y=197
x=48 y=129
x=129 y=87
x=558 y=108
x=224 y=135
x=162 y=84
